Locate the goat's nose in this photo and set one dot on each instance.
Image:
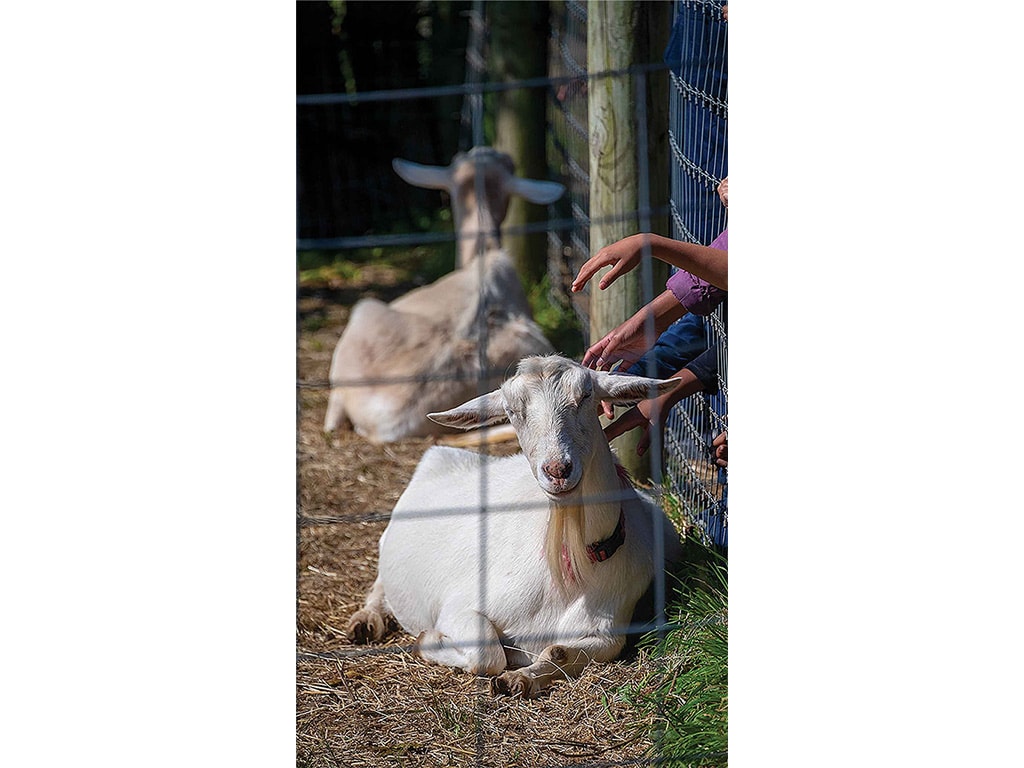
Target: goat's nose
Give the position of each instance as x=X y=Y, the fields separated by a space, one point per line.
x=556 y=469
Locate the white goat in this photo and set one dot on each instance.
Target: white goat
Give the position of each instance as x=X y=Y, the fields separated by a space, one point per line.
x=428 y=342
x=537 y=597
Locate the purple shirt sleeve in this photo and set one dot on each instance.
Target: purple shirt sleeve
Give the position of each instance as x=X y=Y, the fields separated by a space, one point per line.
x=698 y=296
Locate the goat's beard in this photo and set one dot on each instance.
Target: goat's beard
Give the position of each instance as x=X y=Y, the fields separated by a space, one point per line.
x=566 y=548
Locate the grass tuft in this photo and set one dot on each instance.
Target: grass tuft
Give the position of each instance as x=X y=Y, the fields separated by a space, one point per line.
x=684 y=688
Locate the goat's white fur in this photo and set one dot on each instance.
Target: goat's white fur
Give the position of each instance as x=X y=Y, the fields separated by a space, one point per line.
x=489 y=591
x=429 y=340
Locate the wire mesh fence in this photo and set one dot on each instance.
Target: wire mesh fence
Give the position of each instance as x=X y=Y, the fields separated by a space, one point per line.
x=698 y=140
x=698 y=163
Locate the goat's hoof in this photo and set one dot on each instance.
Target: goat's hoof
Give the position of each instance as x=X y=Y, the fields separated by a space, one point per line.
x=515 y=684
x=365 y=627
x=417 y=646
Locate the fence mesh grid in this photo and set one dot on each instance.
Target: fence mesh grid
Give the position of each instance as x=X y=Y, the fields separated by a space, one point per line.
x=697 y=140
x=698 y=116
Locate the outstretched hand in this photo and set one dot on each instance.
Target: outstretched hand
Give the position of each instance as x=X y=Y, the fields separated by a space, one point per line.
x=623 y=256
x=625 y=344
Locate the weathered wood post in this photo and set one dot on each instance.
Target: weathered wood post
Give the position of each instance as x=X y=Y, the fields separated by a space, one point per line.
x=617 y=38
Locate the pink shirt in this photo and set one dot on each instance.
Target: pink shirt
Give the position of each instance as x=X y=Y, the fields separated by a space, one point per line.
x=696 y=295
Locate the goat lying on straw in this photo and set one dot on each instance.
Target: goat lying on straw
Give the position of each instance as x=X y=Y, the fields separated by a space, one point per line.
x=543 y=581
x=395 y=362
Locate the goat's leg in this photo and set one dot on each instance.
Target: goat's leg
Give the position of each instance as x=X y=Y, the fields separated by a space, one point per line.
x=373 y=621
x=349 y=362
x=465 y=639
x=556 y=662
x=336 y=417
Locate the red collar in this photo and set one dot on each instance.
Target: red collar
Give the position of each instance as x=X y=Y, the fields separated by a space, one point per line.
x=600 y=551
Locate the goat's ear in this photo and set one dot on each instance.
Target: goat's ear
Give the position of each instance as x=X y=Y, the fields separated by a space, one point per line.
x=479 y=412
x=623 y=389
x=540 y=192
x=427 y=176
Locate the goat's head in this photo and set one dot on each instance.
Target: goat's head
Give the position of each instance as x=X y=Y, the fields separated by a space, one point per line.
x=553 y=404
x=481 y=182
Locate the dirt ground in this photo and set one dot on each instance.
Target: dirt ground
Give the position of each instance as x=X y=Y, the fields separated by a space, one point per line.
x=377 y=706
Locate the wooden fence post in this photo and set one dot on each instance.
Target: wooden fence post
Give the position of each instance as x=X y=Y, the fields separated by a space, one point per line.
x=617 y=38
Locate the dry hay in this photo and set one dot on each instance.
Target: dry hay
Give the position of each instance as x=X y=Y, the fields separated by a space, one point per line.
x=389 y=709
x=377 y=706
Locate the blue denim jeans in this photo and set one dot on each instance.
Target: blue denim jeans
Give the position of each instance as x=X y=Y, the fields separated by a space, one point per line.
x=679 y=344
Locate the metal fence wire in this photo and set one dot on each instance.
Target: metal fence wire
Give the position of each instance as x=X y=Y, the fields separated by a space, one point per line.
x=698 y=111
x=698 y=121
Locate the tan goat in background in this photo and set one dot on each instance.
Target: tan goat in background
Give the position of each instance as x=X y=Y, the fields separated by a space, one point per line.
x=396 y=362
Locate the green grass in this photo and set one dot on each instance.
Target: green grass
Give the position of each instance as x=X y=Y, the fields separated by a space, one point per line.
x=422 y=264
x=325 y=273
x=313 y=323
x=558 y=321
x=685 y=688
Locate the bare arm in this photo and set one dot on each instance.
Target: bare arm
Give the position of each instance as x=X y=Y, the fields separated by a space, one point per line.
x=649 y=414
x=629 y=341
x=710 y=264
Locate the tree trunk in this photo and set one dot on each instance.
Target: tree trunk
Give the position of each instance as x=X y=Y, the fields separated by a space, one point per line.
x=518 y=50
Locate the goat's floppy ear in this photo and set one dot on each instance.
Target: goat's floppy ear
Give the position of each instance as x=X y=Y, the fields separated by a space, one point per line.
x=426 y=176
x=540 y=192
x=623 y=389
x=479 y=412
